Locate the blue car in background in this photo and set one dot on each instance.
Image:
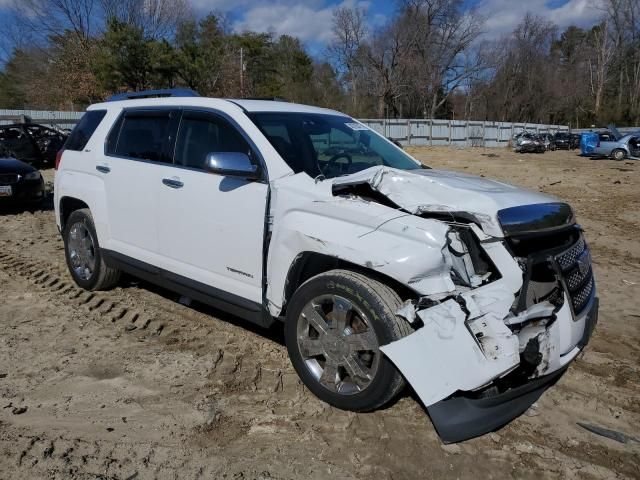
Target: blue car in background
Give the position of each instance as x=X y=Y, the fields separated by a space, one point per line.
x=617 y=146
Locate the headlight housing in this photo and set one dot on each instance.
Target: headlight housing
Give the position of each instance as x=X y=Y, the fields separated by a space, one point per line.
x=534 y=218
x=32 y=176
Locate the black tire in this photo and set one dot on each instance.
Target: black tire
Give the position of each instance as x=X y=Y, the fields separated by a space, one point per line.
x=102 y=277
x=379 y=303
x=618 y=154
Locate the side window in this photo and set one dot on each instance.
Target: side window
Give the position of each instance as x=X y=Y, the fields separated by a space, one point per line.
x=141 y=134
x=84 y=129
x=200 y=134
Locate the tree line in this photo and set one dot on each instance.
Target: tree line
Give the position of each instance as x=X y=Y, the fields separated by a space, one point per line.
x=430 y=59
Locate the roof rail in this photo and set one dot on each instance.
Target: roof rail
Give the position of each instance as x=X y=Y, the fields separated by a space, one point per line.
x=272 y=99
x=167 y=92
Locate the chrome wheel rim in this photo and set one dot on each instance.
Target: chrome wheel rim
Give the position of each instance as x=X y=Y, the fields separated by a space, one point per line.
x=81 y=249
x=338 y=344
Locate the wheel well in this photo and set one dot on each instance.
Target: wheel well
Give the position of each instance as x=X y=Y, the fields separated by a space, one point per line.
x=310 y=264
x=68 y=205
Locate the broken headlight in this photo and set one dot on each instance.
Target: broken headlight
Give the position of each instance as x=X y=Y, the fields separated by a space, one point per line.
x=470 y=266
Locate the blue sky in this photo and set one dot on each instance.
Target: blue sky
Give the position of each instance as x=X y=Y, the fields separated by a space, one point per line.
x=310 y=20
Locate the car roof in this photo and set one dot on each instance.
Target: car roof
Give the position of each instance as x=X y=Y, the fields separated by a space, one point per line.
x=277 y=106
x=248 y=105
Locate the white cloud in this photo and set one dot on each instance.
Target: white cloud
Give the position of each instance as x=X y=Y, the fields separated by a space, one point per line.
x=503 y=15
x=309 y=20
x=300 y=20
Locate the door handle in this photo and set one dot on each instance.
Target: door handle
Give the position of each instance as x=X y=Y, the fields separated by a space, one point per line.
x=172 y=182
x=103 y=168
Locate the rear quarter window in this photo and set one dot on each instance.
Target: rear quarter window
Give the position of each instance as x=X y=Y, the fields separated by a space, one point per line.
x=84 y=129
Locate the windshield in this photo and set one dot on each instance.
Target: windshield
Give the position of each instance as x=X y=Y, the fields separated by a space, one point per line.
x=328 y=145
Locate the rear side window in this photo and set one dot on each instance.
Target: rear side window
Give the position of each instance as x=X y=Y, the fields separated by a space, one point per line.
x=142 y=134
x=201 y=134
x=84 y=129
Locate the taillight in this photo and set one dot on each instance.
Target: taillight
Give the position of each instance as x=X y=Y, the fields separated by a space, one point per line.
x=59 y=157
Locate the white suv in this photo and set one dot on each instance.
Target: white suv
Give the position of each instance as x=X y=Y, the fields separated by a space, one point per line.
x=477 y=293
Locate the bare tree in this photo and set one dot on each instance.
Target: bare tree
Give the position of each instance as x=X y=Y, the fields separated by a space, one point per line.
x=156 y=18
x=387 y=62
x=349 y=31
x=43 y=18
x=599 y=66
x=623 y=19
x=443 y=32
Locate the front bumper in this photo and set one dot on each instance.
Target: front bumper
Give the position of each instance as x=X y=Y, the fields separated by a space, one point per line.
x=25 y=191
x=463 y=416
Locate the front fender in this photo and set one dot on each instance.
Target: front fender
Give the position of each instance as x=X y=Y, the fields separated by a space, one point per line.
x=409 y=249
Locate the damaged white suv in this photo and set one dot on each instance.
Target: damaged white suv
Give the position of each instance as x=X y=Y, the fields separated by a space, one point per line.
x=477 y=293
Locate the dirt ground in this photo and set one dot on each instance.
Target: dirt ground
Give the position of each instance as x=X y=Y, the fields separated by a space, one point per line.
x=131 y=384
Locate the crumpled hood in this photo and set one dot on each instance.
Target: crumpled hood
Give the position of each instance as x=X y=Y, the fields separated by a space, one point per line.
x=441 y=191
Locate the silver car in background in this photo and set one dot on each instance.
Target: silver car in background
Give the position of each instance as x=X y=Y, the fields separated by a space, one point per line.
x=619 y=148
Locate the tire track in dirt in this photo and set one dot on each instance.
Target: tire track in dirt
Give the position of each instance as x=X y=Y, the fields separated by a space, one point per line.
x=233 y=369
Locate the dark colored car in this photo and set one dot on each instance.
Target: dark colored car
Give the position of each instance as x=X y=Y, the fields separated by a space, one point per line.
x=574 y=141
x=34 y=144
x=548 y=140
x=20 y=183
x=562 y=140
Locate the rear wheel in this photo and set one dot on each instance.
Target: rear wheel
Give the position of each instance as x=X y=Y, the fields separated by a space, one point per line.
x=618 y=154
x=82 y=252
x=336 y=323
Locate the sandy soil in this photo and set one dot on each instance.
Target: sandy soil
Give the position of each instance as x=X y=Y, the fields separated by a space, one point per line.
x=131 y=384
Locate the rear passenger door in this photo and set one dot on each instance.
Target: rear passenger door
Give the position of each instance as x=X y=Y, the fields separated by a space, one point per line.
x=138 y=149
x=211 y=227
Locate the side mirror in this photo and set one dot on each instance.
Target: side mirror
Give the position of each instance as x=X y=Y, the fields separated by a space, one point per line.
x=232 y=164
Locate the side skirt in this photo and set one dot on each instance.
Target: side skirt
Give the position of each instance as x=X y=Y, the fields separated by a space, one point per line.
x=228 y=302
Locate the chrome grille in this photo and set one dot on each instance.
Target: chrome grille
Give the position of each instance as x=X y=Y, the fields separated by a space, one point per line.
x=9 y=179
x=575 y=264
x=568 y=259
x=580 y=298
x=577 y=278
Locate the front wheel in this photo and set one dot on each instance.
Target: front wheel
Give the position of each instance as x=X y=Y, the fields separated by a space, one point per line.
x=618 y=154
x=335 y=325
x=82 y=252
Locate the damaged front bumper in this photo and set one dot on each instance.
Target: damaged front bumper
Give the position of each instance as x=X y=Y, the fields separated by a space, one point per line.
x=466 y=415
x=480 y=358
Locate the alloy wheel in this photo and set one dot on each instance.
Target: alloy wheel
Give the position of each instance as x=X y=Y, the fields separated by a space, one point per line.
x=81 y=249
x=338 y=344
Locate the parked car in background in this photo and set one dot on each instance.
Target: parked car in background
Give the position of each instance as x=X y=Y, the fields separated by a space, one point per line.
x=627 y=146
x=574 y=141
x=32 y=143
x=548 y=140
x=529 y=143
x=562 y=140
x=20 y=183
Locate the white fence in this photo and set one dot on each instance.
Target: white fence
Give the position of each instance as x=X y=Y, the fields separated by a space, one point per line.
x=46 y=117
x=460 y=133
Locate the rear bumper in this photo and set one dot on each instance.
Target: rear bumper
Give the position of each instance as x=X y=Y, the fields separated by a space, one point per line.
x=461 y=417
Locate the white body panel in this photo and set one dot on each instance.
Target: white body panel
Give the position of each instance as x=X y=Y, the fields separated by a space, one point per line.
x=211 y=230
x=132 y=212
